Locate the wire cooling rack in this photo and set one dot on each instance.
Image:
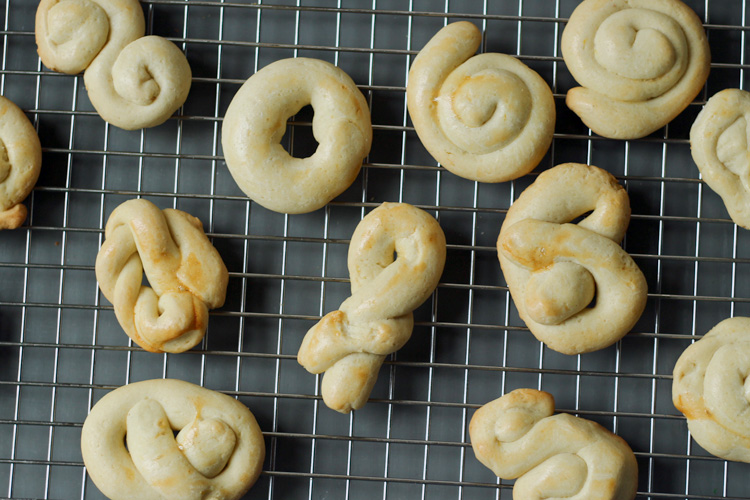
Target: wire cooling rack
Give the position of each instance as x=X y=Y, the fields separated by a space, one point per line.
x=61 y=348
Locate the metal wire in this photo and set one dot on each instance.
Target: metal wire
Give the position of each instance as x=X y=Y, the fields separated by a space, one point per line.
x=62 y=348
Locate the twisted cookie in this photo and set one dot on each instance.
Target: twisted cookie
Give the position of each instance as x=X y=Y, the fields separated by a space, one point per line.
x=217 y=452
x=186 y=272
x=560 y=456
x=350 y=344
x=710 y=388
x=720 y=148
x=555 y=269
x=639 y=64
x=484 y=117
x=255 y=122
x=133 y=81
x=20 y=162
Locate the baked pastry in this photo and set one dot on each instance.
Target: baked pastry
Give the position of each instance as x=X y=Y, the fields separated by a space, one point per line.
x=560 y=456
x=350 y=344
x=133 y=81
x=639 y=64
x=555 y=269
x=719 y=144
x=255 y=122
x=486 y=117
x=709 y=387
x=130 y=449
x=186 y=274
x=20 y=162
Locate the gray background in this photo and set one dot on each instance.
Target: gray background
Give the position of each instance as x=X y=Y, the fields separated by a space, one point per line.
x=61 y=348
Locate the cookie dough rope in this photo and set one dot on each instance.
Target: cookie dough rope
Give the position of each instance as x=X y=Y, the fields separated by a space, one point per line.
x=133 y=81
x=639 y=64
x=217 y=453
x=554 y=269
x=488 y=117
x=186 y=272
x=709 y=387
x=20 y=163
x=719 y=145
x=350 y=344
x=560 y=456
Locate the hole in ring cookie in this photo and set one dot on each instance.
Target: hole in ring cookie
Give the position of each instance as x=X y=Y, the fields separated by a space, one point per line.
x=298 y=139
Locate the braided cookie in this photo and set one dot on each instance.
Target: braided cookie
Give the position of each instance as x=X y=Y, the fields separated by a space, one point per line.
x=486 y=117
x=133 y=81
x=20 y=162
x=720 y=148
x=555 y=269
x=130 y=450
x=186 y=272
x=710 y=387
x=560 y=456
x=639 y=64
x=255 y=123
x=350 y=344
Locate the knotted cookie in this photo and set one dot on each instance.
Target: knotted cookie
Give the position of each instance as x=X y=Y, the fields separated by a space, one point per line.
x=255 y=123
x=485 y=117
x=350 y=344
x=186 y=274
x=710 y=386
x=720 y=147
x=20 y=162
x=555 y=269
x=130 y=449
x=560 y=456
x=639 y=64
x=133 y=81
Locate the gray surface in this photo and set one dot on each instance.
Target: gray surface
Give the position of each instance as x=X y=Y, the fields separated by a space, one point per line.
x=62 y=349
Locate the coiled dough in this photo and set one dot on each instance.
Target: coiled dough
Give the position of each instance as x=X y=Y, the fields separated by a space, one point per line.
x=20 y=163
x=555 y=269
x=133 y=81
x=186 y=274
x=553 y=457
x=350 y=344
x=710 y=386
x=255 y=123
x=639 y=64
x=720 y=147
x=485 y=117
x=131 y=452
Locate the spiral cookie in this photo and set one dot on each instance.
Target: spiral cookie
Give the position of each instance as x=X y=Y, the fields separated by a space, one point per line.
x=560 y=456
x=710 y=388
x=351 y=343
x=487 y=118
x=185 y=272
x=255 y=122
x=639 y=64
x=554 y=270
x=20 y=162
x=217 y=453
x=720 y=148
x=133 y=81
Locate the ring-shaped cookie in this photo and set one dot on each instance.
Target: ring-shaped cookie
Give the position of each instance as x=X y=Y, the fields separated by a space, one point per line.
x=255 y=123
x=551 y=456
x=555 y=269
x=396 y=258
x=130 y=450
x=710 y=387
x=20 y=163
x=639 y=64
x=721 y=150
x=485 y=117
x=133 y=81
